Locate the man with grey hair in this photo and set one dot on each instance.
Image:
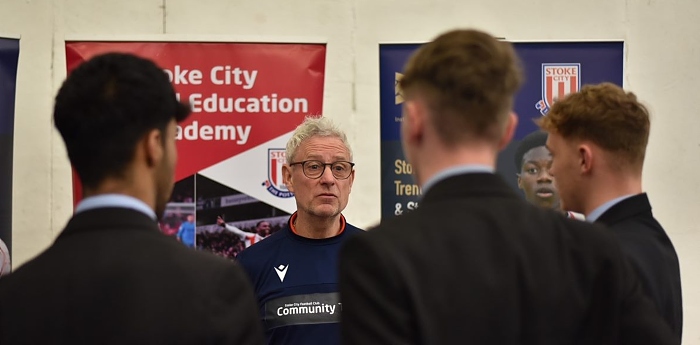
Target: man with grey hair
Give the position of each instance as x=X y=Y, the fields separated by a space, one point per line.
x=294 y=271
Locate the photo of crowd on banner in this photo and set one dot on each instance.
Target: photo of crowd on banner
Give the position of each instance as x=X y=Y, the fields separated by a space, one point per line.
x=221 y=220
x=178 y=218
x=229 y=221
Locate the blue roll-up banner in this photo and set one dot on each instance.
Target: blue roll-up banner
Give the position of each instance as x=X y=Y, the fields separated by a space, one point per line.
x=552 y=70
x=9 y=55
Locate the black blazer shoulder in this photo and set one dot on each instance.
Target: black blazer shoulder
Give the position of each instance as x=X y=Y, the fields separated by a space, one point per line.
x=651 y=253
x=111 y=271
x=460 y=201
x=635 y=208
x=475 y=251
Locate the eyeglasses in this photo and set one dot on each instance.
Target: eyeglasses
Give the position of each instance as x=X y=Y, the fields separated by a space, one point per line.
x=314 y=169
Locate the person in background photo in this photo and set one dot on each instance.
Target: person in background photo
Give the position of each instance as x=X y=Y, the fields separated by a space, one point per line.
x=185 y=233
x=262 y=231
x=533 y=163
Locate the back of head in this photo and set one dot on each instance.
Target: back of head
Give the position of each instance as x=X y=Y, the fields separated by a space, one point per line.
x=311 y=127
x=607 y=116
x=105 y=106
x=468 y=80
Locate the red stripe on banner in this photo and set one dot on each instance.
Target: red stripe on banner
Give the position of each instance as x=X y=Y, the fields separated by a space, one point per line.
x=573 y=86
x=273 y=171
x=562 y=90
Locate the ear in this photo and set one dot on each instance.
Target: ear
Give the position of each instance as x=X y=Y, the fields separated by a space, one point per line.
x=287 y=177
x=153 y=147
x=520 y=182
x=509 y=131
x=585 y=154
x=414 y=117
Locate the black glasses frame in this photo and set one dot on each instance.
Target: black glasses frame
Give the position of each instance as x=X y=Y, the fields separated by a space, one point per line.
x=303 y=168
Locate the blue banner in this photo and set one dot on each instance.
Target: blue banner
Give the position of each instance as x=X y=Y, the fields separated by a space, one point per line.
x=9 y=55
x=552 y=70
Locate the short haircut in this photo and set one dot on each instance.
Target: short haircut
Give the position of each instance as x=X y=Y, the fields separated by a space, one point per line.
x=531 y=141
x=106 y=106
x=314 y=126
x=468 y=79
x=606 y=115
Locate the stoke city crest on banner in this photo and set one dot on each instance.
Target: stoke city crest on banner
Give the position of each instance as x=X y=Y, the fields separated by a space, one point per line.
x=275 y=181
x=558 y=80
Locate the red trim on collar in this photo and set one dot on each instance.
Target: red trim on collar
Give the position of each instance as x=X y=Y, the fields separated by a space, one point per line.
x=293 y=219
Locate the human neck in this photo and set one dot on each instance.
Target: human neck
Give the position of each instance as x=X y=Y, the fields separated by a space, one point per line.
x=310 y=226
x=610 y=187
x=122 y=187
x=436 y=160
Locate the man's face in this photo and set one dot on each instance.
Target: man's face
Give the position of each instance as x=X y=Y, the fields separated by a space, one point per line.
x=263 y=229
x=535 y=179
x=325 y=196
x=565 y=169
x=165 y=171
x=190 y=218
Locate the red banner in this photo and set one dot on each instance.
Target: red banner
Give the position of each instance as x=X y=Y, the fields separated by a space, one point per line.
x=242 y=94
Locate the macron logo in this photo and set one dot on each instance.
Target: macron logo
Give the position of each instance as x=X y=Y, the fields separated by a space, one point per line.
x=281 y=271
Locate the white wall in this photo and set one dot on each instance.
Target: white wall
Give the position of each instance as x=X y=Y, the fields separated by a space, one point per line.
x=663 y=52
